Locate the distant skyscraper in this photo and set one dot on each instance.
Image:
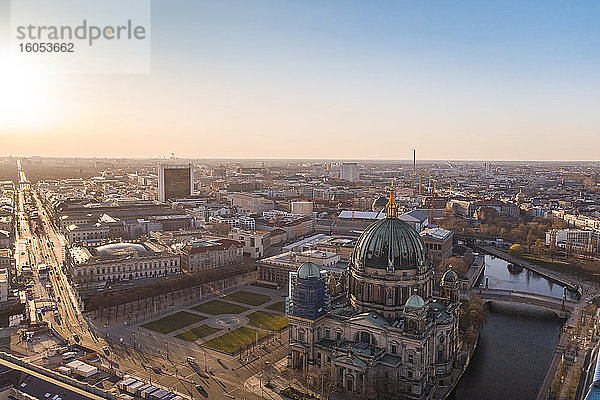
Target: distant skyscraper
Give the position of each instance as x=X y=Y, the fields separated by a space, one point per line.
x=175 y=181
x=349 y=171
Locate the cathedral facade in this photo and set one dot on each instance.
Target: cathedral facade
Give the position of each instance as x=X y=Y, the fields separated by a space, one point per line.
x=391 y=338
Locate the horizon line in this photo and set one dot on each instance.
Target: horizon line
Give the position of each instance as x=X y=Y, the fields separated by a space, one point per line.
x=296 y=159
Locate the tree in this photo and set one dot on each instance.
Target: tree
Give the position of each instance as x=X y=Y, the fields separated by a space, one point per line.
x=515 y=251
x=486 y=214
x=326 y=382
x=539 y=248
x=471 y=317
x=530 y=240
x=221 y=229
x=569 y=247
x=268 y=374
x=460 y=265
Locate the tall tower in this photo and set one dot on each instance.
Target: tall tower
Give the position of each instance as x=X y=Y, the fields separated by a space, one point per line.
x=175 y=181
x=349 y=171
x=306 y=305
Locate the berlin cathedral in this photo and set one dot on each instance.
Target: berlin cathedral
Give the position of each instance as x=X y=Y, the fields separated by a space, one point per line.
x=391 y=338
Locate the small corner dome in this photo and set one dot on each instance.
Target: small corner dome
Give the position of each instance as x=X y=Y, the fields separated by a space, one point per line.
x=415 y=302
x=308 y=270
x=449 y=277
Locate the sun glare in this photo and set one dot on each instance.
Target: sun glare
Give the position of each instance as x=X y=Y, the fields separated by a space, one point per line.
x=23 y=93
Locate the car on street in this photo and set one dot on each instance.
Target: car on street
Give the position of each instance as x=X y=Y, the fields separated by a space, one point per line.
x=200 y=389
x=106 y=351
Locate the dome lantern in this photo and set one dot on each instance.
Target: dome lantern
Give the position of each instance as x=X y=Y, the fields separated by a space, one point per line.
x=391 y=209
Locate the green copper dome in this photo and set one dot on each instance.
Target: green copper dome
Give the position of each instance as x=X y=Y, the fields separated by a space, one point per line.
x=308 y=270
x=449 y=278
x=415 y=302
x=390 y=244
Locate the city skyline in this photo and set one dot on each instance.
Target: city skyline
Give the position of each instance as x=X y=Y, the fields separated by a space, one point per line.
x=462 y=81
x=341 y=200
x=229 y=266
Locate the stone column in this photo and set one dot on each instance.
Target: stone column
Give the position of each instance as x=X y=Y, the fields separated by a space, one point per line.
x=370 y=383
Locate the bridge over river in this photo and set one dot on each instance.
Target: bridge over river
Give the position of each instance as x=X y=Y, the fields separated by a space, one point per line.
x=561 y=306
x=532 y=286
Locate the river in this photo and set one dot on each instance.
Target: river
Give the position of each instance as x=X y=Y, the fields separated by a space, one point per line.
x=500 y=276
x=516 y=343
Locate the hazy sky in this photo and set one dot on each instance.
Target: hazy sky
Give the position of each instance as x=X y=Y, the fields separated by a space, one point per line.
x=331 y=79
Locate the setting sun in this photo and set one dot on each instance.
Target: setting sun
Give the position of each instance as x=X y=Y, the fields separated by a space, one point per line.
x=24 y=94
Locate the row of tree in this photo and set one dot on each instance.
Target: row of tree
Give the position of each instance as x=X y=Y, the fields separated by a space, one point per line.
x=523 y=230
x=122 y=296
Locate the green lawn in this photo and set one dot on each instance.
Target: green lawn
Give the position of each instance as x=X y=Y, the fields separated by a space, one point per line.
x=197 y=333
x=218 y=307
x=253 y=299
x=173 y=322
x=267 y=320
x=233 y=341
x=279 y=306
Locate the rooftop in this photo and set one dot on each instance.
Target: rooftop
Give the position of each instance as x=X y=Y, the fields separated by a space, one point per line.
x=118 y=249
x=437 y=233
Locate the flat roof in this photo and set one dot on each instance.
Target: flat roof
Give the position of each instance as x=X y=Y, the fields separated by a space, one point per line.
x=437 y=233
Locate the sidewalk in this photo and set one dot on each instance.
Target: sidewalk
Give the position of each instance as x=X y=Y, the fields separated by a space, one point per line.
x=253 y=384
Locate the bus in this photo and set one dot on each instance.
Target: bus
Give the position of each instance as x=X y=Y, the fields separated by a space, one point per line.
x=42 y=270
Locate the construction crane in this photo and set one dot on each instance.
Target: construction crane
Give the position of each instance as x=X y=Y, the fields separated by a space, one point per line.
x=433 y=193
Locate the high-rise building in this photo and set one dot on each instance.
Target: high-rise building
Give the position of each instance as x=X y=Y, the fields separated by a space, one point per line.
x=349 y=171
x=175 y=181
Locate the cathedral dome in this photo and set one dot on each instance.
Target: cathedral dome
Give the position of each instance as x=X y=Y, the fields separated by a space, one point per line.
x=390 y=262
x=450 y=278
x=415 y=302
x=308 y=270
x=391 y=244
